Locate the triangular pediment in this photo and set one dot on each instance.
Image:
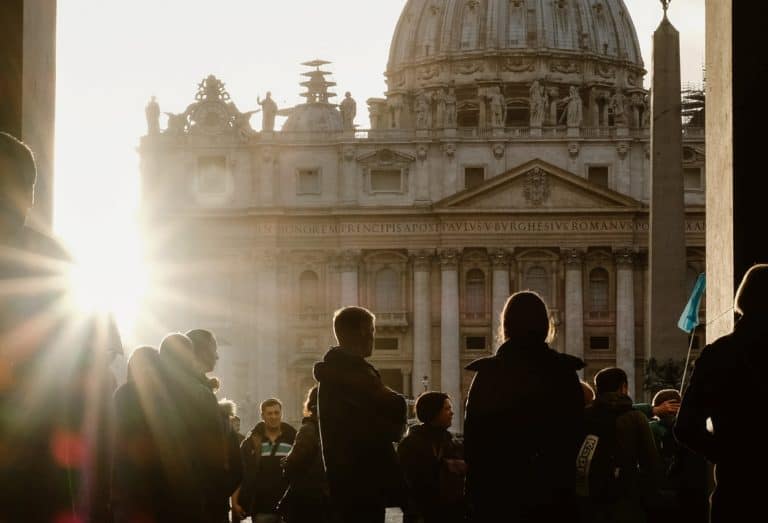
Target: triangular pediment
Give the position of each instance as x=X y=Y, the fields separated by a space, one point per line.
x=537 y=185
x=386 y=157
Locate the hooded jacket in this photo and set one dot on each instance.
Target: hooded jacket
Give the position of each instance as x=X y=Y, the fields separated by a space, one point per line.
x=263 y=481
x=360 y=419
x=523 y=425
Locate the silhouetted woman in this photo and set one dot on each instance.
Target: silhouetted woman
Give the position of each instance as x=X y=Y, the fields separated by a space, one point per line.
x=523 y=422
x=306 y=499
x=727 y=387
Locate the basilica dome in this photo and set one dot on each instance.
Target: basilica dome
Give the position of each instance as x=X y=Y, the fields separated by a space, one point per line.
x=569 y=42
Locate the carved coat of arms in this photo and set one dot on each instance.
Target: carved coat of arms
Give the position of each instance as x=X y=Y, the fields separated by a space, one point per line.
x=536 y=188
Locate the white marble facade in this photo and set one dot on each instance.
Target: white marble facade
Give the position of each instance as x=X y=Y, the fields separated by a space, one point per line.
x=433 y=216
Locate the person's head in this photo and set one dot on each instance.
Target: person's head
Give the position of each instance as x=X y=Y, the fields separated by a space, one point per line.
x=178 y=352
x=434 y=408
x=665 y=395
x=17 y=181
x=354 y=328
x=525 y=318
x=589 y=393
x=228 y=408
x=752 y=296
x=143 y=365
x=611 y=379
x=272 y=413
x=310 y=404
x=205 y=347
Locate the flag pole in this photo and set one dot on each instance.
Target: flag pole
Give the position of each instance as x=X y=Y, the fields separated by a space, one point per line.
x=687 y=361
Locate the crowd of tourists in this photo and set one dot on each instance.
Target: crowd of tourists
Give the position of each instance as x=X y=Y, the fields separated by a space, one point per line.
x=537 y=444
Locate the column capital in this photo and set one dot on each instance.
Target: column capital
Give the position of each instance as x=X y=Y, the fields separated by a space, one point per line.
x=573 y=258
x=422 y=259
x=625 y=257
x=449 y=258
x=348 y=260
x=500 y=258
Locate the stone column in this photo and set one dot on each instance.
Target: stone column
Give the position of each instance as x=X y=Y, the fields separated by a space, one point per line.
x=422 y=319
x=500 y=292
x=625 y=315
x=268 y=192
x=666 y=239
x=450 y=365
x=267 y=363
x=574 y=303
x=348 y=268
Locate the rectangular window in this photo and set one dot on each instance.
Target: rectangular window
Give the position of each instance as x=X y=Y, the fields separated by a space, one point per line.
x=692 y=177
x=600 y=342
x=212 y=174
x=308 y=181
x=473 y=176
x=386 y=344
x=386 y=180
x=475 y=343
x=598 y=175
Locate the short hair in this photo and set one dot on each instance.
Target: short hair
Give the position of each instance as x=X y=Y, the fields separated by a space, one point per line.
x=22 y=158
x=310 y=404
x=177 y=349
x=201 y=338
x=752 y=295
x=665 y=395
x=525 y=317
x=143 y=363
x=429 y=405
x=350 y=319
x=589 y=392
x=228 y=407
x=610 y=379
x=271 y=402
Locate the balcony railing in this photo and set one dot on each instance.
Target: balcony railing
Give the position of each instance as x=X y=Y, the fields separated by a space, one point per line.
x=392 y=319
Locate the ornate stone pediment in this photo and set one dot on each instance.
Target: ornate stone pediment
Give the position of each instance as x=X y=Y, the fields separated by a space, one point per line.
x=538 y=185
x=386 y=157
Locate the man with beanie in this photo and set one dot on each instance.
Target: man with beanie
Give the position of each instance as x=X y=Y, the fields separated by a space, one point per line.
x=433 y=464
x=360 y=419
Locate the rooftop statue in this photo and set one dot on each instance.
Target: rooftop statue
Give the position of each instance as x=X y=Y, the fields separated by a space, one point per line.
x=348 y=108
x=269 y=110
x=573 y=114
x=177 y=124
x=497 y=108
x=211 y=89
x=152 y=112
x=665 y=5
x=537 y=101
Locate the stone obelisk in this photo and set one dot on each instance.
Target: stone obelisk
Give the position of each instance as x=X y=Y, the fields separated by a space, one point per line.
x=667 y=253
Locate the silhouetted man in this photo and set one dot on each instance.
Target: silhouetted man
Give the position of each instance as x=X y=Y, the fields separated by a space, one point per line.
x=55 y=383
x=360 y=418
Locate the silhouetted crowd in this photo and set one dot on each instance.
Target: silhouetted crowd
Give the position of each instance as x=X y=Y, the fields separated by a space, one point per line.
x=538 y=444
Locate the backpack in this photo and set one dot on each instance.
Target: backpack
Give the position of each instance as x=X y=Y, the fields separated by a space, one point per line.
x=598 y=471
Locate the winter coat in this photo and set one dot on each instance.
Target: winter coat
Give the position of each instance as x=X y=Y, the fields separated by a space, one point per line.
x=636 y=458
x=522 y=432
x=263 y=482
x=306 y=498
x=727 y=378
x=432 y=459
x=360 y=419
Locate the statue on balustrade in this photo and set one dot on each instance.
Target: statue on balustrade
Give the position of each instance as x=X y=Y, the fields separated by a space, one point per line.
x=450 y=109
x=574 y=112
x=177 y=124
x=268 y=112
x=497 y=108
x=422 y=109
x=348 y=108
x=618 y=105
x=537 y=95
x=395 y=112
x=152 y=112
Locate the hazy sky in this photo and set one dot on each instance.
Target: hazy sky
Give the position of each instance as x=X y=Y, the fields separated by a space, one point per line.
x=113 y=55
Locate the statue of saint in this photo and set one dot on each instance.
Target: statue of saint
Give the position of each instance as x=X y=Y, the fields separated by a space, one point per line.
x=439 y=98
x=177 y=124
x=348 y=108
x=152 y=112
x=450 y=109
x=268 y=112
x=617 y=105
x=422 y=109
x=497 y=108
x=395 y=112
x=536 y=95
x=573 y=114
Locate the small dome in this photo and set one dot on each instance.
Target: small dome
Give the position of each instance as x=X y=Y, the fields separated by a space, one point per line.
x=461 y=41
x=314 y=117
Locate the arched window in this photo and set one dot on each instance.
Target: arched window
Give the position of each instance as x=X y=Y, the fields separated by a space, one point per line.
x=537 y=280
x=388 y=291
x=474 y=299
x=598 y=290
x=309 y=292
